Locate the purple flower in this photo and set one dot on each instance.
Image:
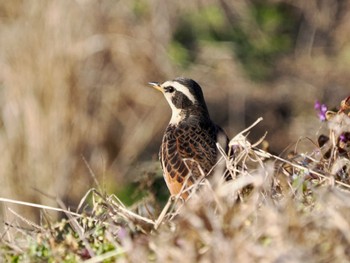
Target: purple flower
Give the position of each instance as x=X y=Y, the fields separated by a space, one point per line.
x=317 y=105
x=321 y=110
x=344 y=137
x=122 y=233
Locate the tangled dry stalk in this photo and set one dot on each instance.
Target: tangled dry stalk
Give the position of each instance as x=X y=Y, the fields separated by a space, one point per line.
x=274 y=209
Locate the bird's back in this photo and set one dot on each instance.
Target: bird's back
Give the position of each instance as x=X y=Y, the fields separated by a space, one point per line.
x=188 y=150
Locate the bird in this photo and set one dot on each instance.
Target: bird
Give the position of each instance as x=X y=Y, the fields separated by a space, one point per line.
x=188 y=150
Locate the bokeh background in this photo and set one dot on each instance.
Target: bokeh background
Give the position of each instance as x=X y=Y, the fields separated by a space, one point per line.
x=74 y=98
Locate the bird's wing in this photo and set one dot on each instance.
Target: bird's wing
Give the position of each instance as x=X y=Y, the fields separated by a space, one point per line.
x=175 y=170
x=188 y=152
x=198 y=146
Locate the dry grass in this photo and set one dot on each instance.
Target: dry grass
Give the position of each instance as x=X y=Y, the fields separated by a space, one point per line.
x=73 y=77
x=273 y=210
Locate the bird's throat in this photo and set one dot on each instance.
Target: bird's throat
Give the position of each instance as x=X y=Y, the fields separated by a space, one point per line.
x=180 y=115
x=177 y=116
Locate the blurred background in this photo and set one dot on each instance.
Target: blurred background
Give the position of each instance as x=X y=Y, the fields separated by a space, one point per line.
x=74 y=98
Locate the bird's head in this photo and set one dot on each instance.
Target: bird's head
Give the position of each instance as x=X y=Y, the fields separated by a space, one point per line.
x=185 y=98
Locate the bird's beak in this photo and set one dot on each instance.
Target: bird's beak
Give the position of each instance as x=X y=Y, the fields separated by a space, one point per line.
x=156 y=85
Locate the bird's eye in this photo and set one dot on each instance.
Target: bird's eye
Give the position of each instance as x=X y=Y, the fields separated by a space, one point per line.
x=170 y=89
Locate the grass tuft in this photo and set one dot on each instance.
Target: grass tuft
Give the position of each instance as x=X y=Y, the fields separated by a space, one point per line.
x=274 y=209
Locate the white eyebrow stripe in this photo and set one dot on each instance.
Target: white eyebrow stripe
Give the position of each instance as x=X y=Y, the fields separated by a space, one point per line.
x=181 y=88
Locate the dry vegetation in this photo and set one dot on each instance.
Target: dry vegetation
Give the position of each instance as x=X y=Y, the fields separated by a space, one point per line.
x=74 y=104
x=274 y=210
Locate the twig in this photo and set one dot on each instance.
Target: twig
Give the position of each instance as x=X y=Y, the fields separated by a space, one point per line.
x=108 y=255
x=6 y=200
x=300 y=167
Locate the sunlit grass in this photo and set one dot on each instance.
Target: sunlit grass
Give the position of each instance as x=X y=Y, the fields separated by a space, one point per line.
x=273 y=208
